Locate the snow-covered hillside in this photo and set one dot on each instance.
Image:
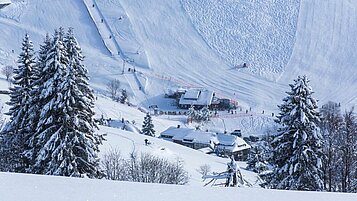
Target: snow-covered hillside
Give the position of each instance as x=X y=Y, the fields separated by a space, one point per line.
x=196 y=45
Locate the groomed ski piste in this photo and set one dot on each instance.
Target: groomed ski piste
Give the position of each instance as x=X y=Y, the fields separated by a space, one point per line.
x=180 y=43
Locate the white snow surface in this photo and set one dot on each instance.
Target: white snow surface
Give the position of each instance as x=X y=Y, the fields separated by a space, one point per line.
x=14 y=187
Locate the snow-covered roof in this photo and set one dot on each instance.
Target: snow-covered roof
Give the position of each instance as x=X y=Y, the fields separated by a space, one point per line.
x=5 y=2
x=173 y=131
x=190 y=135
x=223 y=141
x=197 y=97
x=231 y=142
x=192 y=94
x=201 y=137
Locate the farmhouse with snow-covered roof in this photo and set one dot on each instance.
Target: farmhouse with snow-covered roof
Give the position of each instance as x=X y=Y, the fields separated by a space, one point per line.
x=4 y=3
x=199 y=98
x=195 y=139
x=231 y=145
x=221 y=144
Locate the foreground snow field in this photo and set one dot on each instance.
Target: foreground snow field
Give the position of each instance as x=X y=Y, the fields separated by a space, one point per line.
x=15 y=187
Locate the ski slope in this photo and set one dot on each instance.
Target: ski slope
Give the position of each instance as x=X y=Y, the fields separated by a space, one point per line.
x=191 y=41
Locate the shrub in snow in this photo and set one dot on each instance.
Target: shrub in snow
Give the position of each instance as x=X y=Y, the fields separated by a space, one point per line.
x=297 y=147
x=204 y=170
x=145 y=168
x=113 y=88
x=8 y=71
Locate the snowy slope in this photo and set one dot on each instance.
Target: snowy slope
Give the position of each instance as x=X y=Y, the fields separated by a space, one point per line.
x=283 y=39
x=198 y=46
x=128 y=142
x=324 y=49
x=14 y=187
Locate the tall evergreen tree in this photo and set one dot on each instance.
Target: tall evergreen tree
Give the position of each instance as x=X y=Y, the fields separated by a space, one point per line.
x=15 y=131
x=34 y=110
x=148 y=126
x=75 y=59
x=64 y=142
x=257 y=160
x=297 y=147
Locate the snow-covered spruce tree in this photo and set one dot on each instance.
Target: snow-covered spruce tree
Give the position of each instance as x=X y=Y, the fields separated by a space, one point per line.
x=35 y=106
x=75 y=59
x=148 y=126
x=80 y=73
x=257 y=161
x=64 y=142
x=297 y=147
x=204 y=114
x=124 y=96
x=17 y=129
x=191 y=113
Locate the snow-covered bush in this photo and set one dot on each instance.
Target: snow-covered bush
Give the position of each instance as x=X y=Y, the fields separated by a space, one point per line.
x=144 y=168
x=204 y=170
x=8 y=71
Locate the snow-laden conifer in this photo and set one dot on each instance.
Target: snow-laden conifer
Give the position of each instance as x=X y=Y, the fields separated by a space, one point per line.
x=17 y=129
x=148 y=126
x=64 y=142
x=297 y=147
